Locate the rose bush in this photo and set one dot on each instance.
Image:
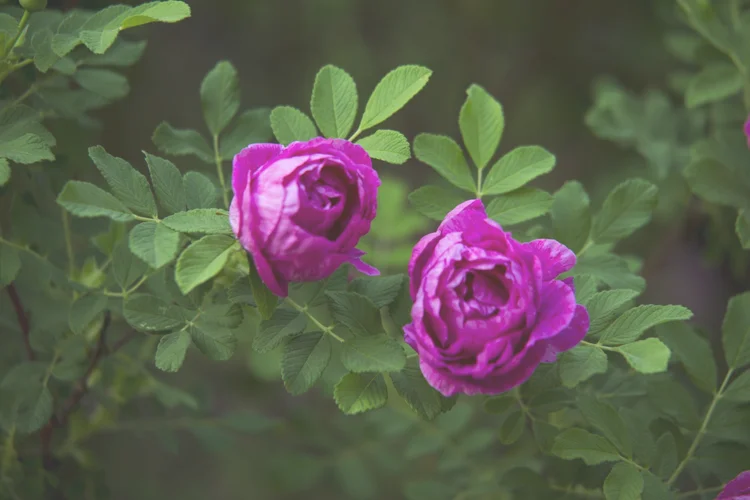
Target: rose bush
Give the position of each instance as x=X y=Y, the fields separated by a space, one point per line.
x=300 y=210
x=488 y=309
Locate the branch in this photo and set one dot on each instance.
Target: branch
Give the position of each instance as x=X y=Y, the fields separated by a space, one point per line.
x=23 y=320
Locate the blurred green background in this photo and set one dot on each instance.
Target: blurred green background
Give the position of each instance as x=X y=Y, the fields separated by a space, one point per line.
x=538 y=57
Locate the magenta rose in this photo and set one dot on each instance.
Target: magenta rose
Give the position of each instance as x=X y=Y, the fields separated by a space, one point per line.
x=747 y=131
x=488 y=309
x=737 y=489
x=300 y=210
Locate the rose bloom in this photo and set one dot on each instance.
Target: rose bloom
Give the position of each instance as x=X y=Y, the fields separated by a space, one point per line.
x=488 y=309
x=737 y=489
x=300 y=210
x=747 y=131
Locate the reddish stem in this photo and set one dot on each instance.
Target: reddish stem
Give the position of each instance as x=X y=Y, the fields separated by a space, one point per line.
x=23 y=320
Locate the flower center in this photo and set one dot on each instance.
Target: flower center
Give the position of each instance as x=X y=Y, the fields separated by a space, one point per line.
x=484 y=291
x=326 y=203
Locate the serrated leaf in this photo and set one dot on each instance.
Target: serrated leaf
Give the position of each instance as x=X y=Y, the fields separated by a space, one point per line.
x=605 y=418
x=446 y=158
x=170 y=353
x=220 y=96
x=624 y=482
x=610 y=269
x=200 y=220
x=373 y=354
x=381 y=290
x=516 y=168
x=26 y=149
x=123 y=53
x=334 y=101
x=571 y=215
x=167 y=181
x=215 y=342
x=126 y=267
x=519 y=206
x=84 y=199
x=646 y=356
x=360 y=392
x=633 y=322
x=356 y=312
x=482 y=122
x=10 y=264
x=251 y=127
x=155 y=244
x=303 y=361
x=626 y=209
x=665 y=458
x=127 y=184
x=580 y=364
x=714 y=82
x=578 y=443
x=149 y=313
x=181 y=142
x=392 y=93
x=693 y=351
x=290 y=124
x=604 y=306
x=200 y=192
x=388 y=146
x=103 y=82
x=735 y=331
x=281 y=325
x=433 y=201
x=264 y=298
x=84 y=311
x=411 y=385
x=717 y=183
x=585 y=288
x=739 y=389
x=202 y=260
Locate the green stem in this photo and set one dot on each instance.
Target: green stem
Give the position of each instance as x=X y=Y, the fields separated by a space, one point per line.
x=355 y=135
x=220 y=172
x=702 y=430
x=68 y=242
x=589 y=243
x=479 y=184
x=21 y=26
x=303 y=309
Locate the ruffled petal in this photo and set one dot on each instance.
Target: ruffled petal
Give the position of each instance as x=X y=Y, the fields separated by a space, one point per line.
x=569 y=337
x=556 y=310
x=555 y=257
x=463 y=217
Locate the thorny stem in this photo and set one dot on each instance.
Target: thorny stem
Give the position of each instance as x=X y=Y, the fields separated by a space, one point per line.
x=702 y=430
x=220 y=172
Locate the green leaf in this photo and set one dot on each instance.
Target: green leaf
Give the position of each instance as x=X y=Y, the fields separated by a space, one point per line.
x=604 y=306
x=578 y=443
x=605 y=418
x=497 y=405
x=512 y=428
x=26 y=149
x=655 y=489
x=714 y=82
x=633 y=322
x=517 y=168
x=178 y=142
x=392 y=93
x=665 y=458
x=586 y=287
x=736 y=331
x=571 y=215
x=356 y=312
x=148 y=313
x=433 y=201
x=220 y=96
x=216 y=343
x=10 y=264
x=200 y=192
x=741 y=227
x=251 y=127
x=717 y=183
x=360 y=392
x=126 y=267
x=123 y=53
x=693 y=351
x=445 y=156
x=482 y=122
x=170 y=353
x=646 y=356
x=44 y=56
x=373 y=354
x=202 y=260
x=84 y=311
x=388 y=146
x=200 y=220
x=381 y=290
x=168 y=184
x=580 y=364
x=610 y=269
x=624 y=482
x=240 y=292
x=4 y=172
x=626 y=209
x=672 y=399
x=334 y=101
x=303 y=361
x=290 y=124
x=282 y=324
x=411 y=385
x=264 y=298
x=155 y=244
x=127 y=184
x=739 y=390
x=83 y=199
x=519 y=206
x=103 y=82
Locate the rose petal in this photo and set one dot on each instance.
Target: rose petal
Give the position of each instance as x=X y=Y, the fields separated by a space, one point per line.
x=463 y=217
x=556 y=310
x=555 y=257
x=569 y=337
x=364 y=268
x=737 y=489
x=419 y=257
